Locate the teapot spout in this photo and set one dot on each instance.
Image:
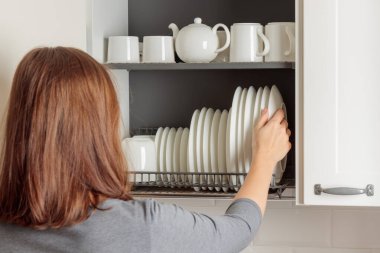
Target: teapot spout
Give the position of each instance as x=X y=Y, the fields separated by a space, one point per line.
x=175 y=30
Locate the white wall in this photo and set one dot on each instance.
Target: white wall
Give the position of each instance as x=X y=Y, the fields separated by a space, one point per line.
x=26 y=24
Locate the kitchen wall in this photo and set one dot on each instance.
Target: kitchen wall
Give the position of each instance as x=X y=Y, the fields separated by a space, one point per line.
x=287 y=228
x=28 y=24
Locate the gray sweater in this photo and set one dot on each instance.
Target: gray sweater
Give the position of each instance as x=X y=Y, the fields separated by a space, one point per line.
x=142 y=226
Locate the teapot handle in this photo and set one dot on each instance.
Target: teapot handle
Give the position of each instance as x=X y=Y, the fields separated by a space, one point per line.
x=228 y=37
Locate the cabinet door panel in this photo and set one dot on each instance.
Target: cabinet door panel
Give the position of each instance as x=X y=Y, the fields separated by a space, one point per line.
x=341 y=99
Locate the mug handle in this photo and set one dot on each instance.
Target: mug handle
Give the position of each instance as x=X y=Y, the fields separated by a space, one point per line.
x=266 y=43
x=228 y=37
x=291 y=41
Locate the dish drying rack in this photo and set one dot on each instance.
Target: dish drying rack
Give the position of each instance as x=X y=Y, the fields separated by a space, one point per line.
x=144 y=183
x=172 y=187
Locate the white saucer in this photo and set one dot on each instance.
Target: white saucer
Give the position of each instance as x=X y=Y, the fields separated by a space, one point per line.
x=169 y=152
x=183 y=154
x=222 y=168
x=206 y=147
x=248 y=127
x=191 y=152
x=214 y=138
x=276 y=102
x=232 y=166
x=176 y=153
x=163 y=153
x=157 y=141
x=240 y=136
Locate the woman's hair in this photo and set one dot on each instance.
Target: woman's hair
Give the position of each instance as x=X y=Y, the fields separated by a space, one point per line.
x=62 y=154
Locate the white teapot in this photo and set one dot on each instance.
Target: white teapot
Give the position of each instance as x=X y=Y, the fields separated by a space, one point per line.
x=198 y=43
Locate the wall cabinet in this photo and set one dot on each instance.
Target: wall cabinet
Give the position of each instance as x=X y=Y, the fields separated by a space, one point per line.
x=330 y=94
x=341 y=107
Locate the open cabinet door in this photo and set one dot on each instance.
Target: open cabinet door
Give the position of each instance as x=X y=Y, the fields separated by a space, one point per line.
x=341 y=102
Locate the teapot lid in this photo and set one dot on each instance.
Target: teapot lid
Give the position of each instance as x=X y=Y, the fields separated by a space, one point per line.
x=198 y=23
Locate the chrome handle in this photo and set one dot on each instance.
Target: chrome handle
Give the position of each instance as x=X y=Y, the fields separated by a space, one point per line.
x=369 y=190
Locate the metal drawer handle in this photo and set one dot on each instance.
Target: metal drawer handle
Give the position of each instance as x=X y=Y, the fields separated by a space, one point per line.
x=369 y=190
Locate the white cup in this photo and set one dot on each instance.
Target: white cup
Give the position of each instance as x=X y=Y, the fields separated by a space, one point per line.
x=247 y=43
x=140 y=153
x=158 y=49
x=281 y=36
x=223 y=56
x=123 y=49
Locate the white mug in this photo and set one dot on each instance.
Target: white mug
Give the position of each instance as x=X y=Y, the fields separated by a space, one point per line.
x=281 y=36
x=223 y=56
x=247 y=43
x=123 y=49
x=158 y=49
x=140 y=153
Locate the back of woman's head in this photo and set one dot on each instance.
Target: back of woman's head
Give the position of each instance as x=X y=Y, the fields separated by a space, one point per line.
x=62 y=153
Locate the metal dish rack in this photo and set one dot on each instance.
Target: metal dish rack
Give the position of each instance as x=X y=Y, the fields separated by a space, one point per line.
x=144 y=184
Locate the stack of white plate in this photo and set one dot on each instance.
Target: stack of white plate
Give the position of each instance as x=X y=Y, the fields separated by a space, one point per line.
x=247 y=105
x=217 y=142
x=171 y=153
x=207 y=148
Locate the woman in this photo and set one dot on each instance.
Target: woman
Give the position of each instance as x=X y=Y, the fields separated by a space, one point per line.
x=63 y=186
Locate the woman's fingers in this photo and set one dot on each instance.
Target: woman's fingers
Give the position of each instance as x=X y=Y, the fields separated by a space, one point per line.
x=284 y=123
x=263 y=118
x=278 y=116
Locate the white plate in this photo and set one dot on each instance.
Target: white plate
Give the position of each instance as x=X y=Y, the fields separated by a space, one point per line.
x=191 y=151
x=256 y=115
x=183 y=154
x=222 y=134
x=206 y=146
x=276 y=102
x=248 y=127
x=157 y=141
x=228 y=149
x=264 y=102
x=233 y=162
x=163 y=153
x=214 y=148
x=169 y=152
x=240 y=136
x=265 y=98
x=199 y=144
x=176 y=153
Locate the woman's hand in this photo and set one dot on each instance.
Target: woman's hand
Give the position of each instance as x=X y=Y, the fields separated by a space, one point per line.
x=271 y=137
x=270 y=145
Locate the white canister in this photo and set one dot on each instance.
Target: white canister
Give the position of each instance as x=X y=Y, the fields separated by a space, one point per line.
x=247 y=43
x=123 y=49
x=281 y=36
x=158 y=49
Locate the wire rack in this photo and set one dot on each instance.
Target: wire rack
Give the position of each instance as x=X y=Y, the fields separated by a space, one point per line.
x=185 y=184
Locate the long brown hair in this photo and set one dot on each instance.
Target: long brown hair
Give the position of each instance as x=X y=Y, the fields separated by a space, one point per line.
x=62 y=154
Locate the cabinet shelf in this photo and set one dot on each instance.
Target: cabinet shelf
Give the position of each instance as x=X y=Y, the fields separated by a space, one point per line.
x=200 y=66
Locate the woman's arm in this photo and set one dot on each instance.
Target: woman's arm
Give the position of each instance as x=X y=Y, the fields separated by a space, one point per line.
x=271 y=142
x=174 y=229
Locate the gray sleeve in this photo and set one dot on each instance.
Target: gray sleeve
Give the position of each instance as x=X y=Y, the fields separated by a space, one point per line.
x=174 y=229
